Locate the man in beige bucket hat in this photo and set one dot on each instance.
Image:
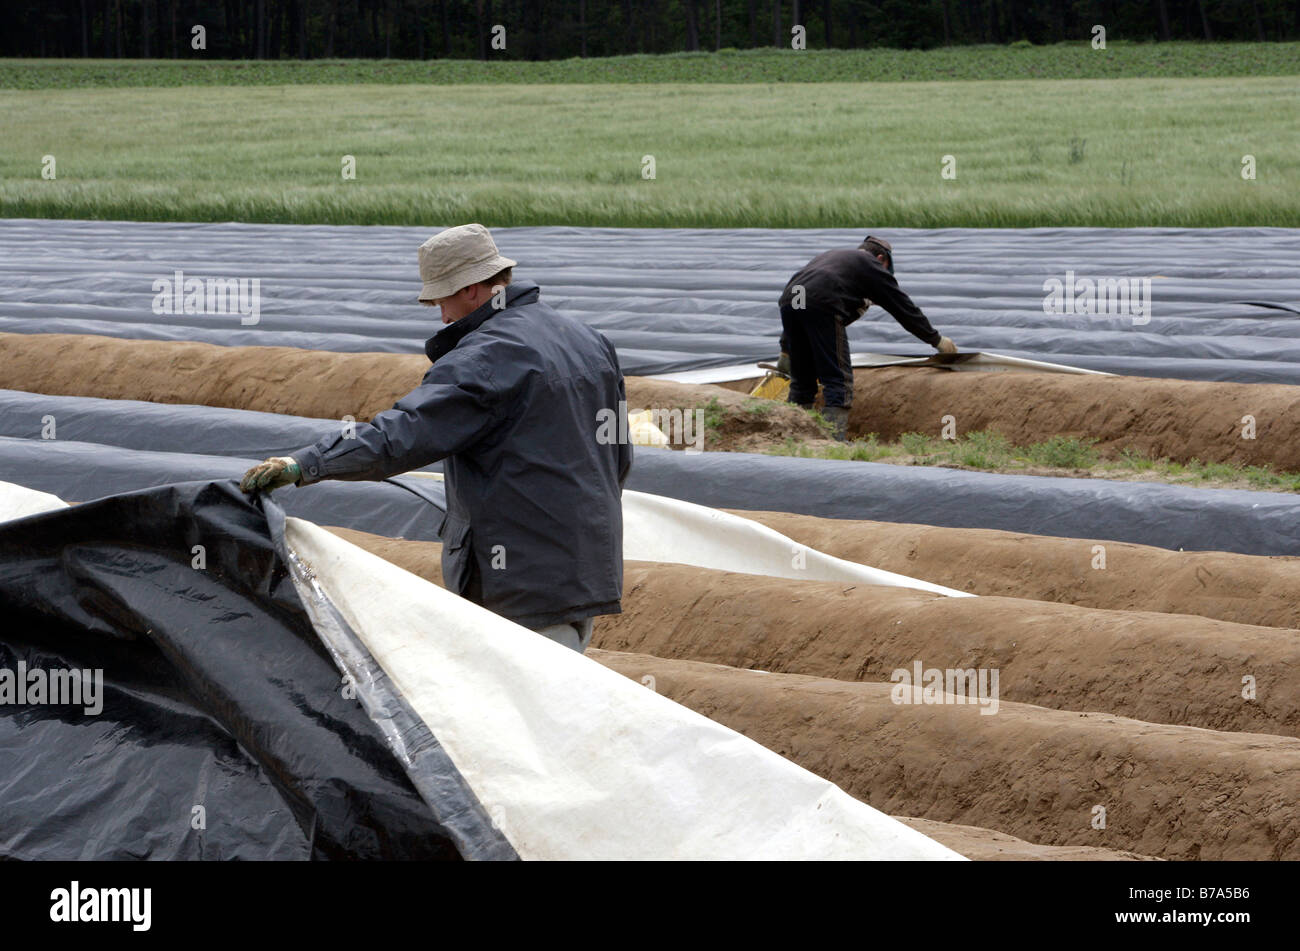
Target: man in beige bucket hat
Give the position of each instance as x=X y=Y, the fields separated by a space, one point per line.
x=457 y=266
x=516 y=404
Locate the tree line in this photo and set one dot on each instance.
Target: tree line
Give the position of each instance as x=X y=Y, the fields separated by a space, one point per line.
x=557 y=29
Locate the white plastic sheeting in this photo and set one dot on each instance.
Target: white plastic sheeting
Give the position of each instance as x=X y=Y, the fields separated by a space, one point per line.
x=575 y=761
x=656 y=528
x=17 y=501
x=977 y=362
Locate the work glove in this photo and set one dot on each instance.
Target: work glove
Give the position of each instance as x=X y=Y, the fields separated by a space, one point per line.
x=783 y=364
x=866 y=305
x=945 y=345
x=272 y=474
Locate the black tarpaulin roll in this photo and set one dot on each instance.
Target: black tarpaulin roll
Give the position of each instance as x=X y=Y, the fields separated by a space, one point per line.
x=224 y=729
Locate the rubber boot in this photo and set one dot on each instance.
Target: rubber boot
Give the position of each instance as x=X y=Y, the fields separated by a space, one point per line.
x=838 y=417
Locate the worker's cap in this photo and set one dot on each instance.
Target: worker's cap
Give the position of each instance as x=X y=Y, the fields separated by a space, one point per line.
x=880 y=246
x=456 y=258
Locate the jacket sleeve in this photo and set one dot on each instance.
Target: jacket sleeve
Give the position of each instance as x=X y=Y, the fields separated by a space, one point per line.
x=624 y=445
x=452 y=409
x=884 y=291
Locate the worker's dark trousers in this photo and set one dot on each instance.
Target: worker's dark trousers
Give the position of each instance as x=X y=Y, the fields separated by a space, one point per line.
x=819 y=351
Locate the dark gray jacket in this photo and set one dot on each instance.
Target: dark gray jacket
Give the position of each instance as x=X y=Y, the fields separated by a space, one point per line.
x=514 y=403
x=837 y=282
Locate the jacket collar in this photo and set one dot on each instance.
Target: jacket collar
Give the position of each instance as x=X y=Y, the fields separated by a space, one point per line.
x=445 y=340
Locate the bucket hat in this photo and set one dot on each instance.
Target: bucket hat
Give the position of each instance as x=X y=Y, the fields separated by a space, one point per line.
x=457 y=258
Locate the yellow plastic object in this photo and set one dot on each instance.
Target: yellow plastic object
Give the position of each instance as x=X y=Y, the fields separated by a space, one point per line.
x=774 y=386
x=644 y=432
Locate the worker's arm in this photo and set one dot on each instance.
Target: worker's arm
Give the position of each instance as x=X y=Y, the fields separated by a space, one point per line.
x=883 y=289
x=453 y=408
x=624 y=445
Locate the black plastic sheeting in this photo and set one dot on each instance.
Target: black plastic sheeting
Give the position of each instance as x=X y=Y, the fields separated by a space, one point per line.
x=1225 y=302
x=1145 y=513
x=403 y=507
x=217 y=693
x=158 y=427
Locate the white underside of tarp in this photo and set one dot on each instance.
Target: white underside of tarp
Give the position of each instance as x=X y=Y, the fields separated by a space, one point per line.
x=18 y=501
x=976 y=362
x=572 y=760
x=656 y=528
x=979 y=361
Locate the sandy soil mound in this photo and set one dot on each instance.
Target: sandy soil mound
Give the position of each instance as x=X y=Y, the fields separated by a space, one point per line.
x=1162 y=668
x=1168 y=791
x=1246 y=589
x=741 y=424
x=985 y=845
x=268 y=379
x=1176 y=418
x=1028 y=771
x=1249 y=589
x=1181 y=419
x=419 y=558
x=328 y=385
x=1157 y=667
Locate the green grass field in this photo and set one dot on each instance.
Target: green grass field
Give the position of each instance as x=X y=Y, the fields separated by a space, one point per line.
x=1108 y=152
x=1077 y=60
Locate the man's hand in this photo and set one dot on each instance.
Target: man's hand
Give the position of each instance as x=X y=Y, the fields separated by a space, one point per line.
x=945 y=345
x=866 y=305
x=275 y=472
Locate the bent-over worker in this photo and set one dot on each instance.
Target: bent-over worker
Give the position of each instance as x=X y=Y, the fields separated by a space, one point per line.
x=823 y=297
